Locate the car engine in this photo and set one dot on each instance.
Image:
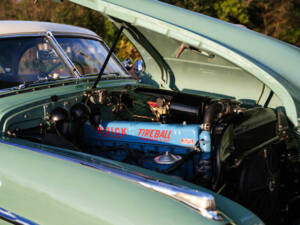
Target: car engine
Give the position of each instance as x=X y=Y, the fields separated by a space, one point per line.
x=238 y=150
x=175 y=141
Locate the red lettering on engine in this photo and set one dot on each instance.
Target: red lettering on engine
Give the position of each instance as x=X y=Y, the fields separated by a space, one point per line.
x=112 y=132
x=169 y=134
x=151 y=133
x=155 y=135
x=157 y=132
x=187 y=141
x=123 y=130
x=146 y=133
x=163 y=134
x=100 y=130
x=141 y=132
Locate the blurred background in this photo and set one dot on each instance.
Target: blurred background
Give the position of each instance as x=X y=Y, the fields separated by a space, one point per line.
x=276 y=18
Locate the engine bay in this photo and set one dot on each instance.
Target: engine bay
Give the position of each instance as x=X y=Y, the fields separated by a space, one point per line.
x=240 y=151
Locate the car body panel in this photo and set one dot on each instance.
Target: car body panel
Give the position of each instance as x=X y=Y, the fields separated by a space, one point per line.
x=50 y=185
x=97 y=199
x=15 y=107
x=34 y=187
x=18 y=27
x=270 y=61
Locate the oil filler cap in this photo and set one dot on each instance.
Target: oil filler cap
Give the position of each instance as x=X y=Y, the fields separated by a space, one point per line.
x=167 y=158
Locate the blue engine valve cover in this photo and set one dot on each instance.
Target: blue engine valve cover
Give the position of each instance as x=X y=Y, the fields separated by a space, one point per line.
x=146 y=136
x=152 y=140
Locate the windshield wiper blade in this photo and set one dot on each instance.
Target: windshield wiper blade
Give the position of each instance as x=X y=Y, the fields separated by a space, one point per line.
x=112 y=73
x=108 y=56
x=38 y=82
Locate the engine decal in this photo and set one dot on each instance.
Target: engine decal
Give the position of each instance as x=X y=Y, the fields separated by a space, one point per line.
x=154 y=134
x=187 y=141
x=116 y=132
x=145 y=136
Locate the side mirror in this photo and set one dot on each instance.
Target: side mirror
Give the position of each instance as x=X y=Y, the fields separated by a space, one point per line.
x=139 y=66
x=136 y=69
x=127 y=64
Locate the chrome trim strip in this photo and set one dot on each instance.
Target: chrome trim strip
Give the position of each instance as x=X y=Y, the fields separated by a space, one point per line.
x=62 y=54
x=43 y=34
x=22 y=35
x=77 y=35
x=170 y=190
x=14 y=218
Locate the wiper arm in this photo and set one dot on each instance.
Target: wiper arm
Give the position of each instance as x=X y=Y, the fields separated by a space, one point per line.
x=108 y=56
x=37 y=82
x=112 y=73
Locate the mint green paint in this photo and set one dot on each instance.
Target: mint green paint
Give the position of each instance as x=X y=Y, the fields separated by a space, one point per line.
x=55 y=191
x=28 y=109
x=269 y=60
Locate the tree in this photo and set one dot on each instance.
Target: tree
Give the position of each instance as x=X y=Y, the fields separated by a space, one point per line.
x=235 y=11
x=276 y=18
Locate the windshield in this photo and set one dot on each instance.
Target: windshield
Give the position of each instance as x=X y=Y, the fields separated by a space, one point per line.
x=29 y=59
x=88 y=56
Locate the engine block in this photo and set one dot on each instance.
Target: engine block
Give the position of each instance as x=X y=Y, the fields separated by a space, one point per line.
x=151 y=139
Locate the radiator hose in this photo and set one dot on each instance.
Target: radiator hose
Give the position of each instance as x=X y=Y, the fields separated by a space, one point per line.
x=215 y=111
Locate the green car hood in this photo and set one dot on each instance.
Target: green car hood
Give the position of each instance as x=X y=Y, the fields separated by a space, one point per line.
x=244 y=60
x=43 y=185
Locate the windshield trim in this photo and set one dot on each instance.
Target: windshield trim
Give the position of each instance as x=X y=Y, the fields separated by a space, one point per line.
x=22 y=35
x=68 y=62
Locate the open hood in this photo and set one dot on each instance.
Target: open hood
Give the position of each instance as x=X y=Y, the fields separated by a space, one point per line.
x=190 y=52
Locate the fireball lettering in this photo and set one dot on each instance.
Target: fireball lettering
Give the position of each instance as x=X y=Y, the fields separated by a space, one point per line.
x=153 y=134
x=140 y=132
x=157 y=132
x=169 y=134
x=162 y=134
x=146 y=133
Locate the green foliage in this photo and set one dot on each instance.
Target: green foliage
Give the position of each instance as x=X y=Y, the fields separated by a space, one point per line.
x=276 y=18
x=203 y=6
x=110 y=31
x=235 y=11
